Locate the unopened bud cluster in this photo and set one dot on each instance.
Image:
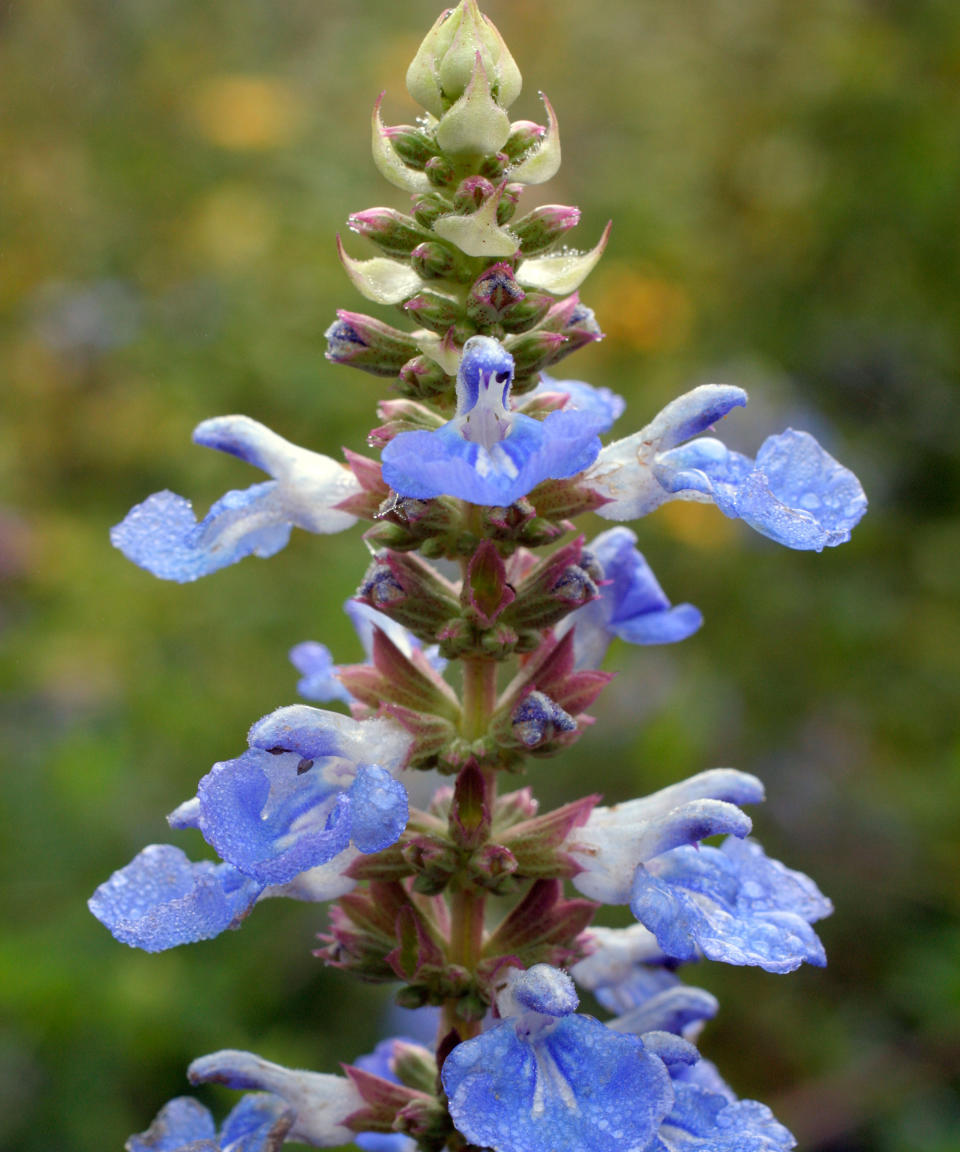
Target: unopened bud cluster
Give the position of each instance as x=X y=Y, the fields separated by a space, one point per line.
x=463 y=262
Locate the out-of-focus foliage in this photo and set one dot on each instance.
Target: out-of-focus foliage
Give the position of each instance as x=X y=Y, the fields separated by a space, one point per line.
x=784 y=179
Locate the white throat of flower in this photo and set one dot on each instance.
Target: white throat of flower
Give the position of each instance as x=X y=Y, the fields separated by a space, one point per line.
x=488 y=420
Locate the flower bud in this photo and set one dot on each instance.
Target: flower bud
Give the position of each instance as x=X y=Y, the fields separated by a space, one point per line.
x=428 y=207
x=412 y=145
x=368 y=344
x=440 y=172
x=394 y=233
x=524 y=135
x=494 y=166
x=433 y=311
x=436 y=261
x=444 y=63
x=471 y=193
x=532 y=351
x=541 y=228
x=493 y=294
x=553 y=588
x=538 y=720
x=422 y=378
x=476 y=124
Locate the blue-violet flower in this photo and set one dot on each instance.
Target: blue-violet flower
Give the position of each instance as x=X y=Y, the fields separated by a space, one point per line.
x=730 y=903
x=794 y=492
x=547 y=1078
x=163 y=535
x=489 y=454
x=631 y=605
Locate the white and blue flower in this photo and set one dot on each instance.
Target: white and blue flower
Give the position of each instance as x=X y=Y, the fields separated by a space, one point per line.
x=489 y=454
x=730 y=903
x=287 y=818
x=548 y=1078
x=793 y=492
x=319 y=1103
x=163 y=535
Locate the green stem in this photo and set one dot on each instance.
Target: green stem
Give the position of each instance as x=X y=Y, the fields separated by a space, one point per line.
x=467 y=903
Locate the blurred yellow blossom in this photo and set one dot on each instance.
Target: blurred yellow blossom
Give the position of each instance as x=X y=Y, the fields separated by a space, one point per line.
x=246 y=113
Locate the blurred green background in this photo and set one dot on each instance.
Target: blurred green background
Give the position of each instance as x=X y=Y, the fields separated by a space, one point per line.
x=784 y=180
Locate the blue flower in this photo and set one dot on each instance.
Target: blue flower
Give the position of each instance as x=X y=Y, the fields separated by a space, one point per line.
x=489 y=454
x=319 y=679
x=794 y=492
x=312 y=784
x=730 y=903
x=548 y=1079
x=163 y=536
x=631 y=605
x=320 y=1104
x=288 y=818
x=259 y=1123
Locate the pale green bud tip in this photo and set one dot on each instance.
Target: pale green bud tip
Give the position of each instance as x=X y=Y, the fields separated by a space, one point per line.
x=444 y=63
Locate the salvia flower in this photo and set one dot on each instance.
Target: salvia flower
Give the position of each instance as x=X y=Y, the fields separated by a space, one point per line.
x=631 y=605
x=793 y=492
x=287 y=818
x=548 y=1078
x=163 y=535
x=489 y=454
x=312 y=784
x=730 y=903
x=259 y=1123
x=320 y=1103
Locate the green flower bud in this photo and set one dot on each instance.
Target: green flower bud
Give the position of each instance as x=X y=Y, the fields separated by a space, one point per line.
x=444 y=64
x=475 y=124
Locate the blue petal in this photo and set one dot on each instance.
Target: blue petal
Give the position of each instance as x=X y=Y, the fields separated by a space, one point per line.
x=671 y=1009
x=310 y=732
x=163 y=536
x=162 y=899
x=443 y=463
x=546 y=990
x=706 y=1122
x=319 y=680
x=257 y=1124
x=385 y=1142
x=795 y=493
x=271 y=820
x=181 y=1123
x=732 y=904
x=378 y=807
x=695 y=412
x=600 y=406
x=576 y=1085
x=643 y=983
x=800 y=495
